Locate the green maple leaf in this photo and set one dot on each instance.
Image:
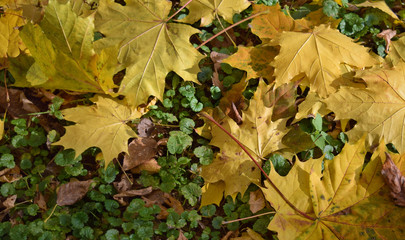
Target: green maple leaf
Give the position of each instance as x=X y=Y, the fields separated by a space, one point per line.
x=150 y=46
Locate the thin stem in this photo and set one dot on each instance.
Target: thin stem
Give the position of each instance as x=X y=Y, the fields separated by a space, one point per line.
x=167 y=125
x=226 y=29
x=254 y=216
x=174 y=14
x=227 y=34
x=53 y=210
x=257 y=164
x=124 y=172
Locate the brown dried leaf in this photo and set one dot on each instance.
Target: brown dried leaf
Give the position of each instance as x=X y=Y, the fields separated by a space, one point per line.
x=395 y=181
x=40 y=201
x=10 y=175
x=145 y=127
x=217 y=58
x=16 y=102
x=181 y=236
x=164 y=200
x=140 y=150
x=133 y=193
x=10 y=201
x=256 y=201
x=150 y=166
x=173 y=203
x=124 y=184
x=387 y=35
x=70 y=193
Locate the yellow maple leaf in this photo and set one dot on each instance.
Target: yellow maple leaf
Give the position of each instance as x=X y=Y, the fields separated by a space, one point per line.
x=207 y=10
x=379 y=5
x=257 y=133
x=102 y=125
x=63 y=37
x=10 y=41
x=340 y=200
x=149 y=46
x=269 y=25
x=378 y=109
x=397 y=51
x=254 y=60
x=318 y=54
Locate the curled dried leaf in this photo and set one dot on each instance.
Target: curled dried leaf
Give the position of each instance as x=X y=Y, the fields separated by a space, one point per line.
x=133 y=193
x=124 y=184
x=395 y=181
x=387 y=35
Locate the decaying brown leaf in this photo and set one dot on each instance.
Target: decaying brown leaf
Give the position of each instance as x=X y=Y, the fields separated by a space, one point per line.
x=395 y=181
x=256 y=201
x=10 y=201
x=145 y=128
x=40 y=201
x=8 y=204
x=133 y=193
x=165 y=201
x=70 y=193
x=217 y=58
x=124 y=184
x=151 y=166
x=10 y=174
x=140 y=151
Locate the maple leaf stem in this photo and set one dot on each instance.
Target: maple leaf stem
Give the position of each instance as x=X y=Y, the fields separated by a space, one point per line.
x=258 y=165
x=245 y=218
x=174 y=14
x=227 y=34
x=226 y=29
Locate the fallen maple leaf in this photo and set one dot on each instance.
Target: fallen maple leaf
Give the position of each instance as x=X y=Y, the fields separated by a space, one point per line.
x=310 y=107
x=269 y=25
x=10 y=22
x=70 y=193
x=379 y=5
x=378 y=109
x=335 y=199
x=102 y=125
x=254 y=60
x=318 y=54
x=149 y=46
x=207 y=10
x=257 y=133
x=64 y=38
x=397 y=51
